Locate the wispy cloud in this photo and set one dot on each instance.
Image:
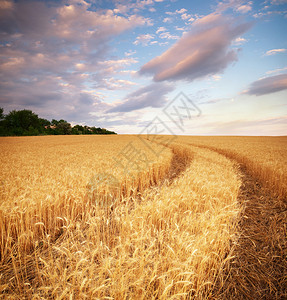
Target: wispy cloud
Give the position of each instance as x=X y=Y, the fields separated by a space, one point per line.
x=245 y=8
x=239 y=41
x=167 y=35
x=160 y=29
x=204 y=50
x=278 y=2
x=268 y=85
x=143 y=39
x=274 y=51
x=153 y=95
x=280 y=70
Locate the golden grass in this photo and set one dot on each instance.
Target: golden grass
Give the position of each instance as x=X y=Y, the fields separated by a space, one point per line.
x=264 y=157
x=47 y=179
x=75 y=226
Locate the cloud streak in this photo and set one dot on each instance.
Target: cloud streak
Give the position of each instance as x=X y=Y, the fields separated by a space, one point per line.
x=268 y=85
x=274 y=51
x=202 y=51
x=153 y=95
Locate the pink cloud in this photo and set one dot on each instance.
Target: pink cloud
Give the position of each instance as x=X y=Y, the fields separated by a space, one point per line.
x=268 y=85
x=204 y=50
x=244 y=8
x=53 y=54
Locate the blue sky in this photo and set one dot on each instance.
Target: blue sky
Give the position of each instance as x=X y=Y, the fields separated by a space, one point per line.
x=118 y=64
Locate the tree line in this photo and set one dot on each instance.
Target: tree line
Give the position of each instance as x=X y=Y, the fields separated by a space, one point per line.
x=26 y=123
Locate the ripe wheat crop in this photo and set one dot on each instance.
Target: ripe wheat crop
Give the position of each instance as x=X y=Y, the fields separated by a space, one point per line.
x=122 y=217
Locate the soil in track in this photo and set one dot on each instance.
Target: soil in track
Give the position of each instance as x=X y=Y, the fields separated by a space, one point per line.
x=259 y=269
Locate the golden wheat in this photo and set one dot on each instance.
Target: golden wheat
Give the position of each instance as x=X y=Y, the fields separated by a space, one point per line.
x=76 y=224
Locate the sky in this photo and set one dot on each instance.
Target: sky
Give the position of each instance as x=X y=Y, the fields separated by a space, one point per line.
x=122 y=65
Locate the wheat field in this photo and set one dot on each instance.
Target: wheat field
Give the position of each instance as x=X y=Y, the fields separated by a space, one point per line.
x=135 y=217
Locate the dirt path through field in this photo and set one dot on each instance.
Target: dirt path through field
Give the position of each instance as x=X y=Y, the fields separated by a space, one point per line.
x=259 y=267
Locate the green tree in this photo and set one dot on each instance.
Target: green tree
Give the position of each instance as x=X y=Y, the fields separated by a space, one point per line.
x=1 y=114
x=64 y=127
x=2 y=122
x=79 y=128
x=17 y=122
x=25 y=122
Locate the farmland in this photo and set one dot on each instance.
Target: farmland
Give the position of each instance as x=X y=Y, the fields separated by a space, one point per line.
x=123 y=217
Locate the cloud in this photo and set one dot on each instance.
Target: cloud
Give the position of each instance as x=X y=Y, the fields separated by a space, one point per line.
x=130 y=53
x=278 y=2
x=186 y=16
x=274 y=51
x=125 y=6
x=153 y=95
x=53 y=55
x=143 y=39
x=239 y=41
x=181 y=11
x=167 y=20
x=202 y=51
x=160 y=29
x=167 y=35
x=276 y=71
x=244 y=8
x=268 y=85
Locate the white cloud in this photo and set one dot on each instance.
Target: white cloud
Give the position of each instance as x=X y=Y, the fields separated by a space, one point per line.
x=143 y=39
x=160 y=29
x=216 y=77
x=130 y=52
x=245 y=8
x=276 y=71
x=167 y=20
x=167 y=35
x=239 y=41
x=186 y=16
x=181 y=11
x=179 y=28
x=274 y=51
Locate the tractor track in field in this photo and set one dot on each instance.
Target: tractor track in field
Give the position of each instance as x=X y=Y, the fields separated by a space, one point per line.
x=259 y=267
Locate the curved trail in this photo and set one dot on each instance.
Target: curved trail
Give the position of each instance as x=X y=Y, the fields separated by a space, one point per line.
x=259 y=267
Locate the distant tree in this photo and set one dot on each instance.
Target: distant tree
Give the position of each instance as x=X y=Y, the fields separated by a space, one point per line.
x=25 y=122
x=75 y=131
x=54 y=122
x=2 y=122
x=1 y=114
x=44 y=122
x=79 y=128
x=64 y=127
x=19 y=122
